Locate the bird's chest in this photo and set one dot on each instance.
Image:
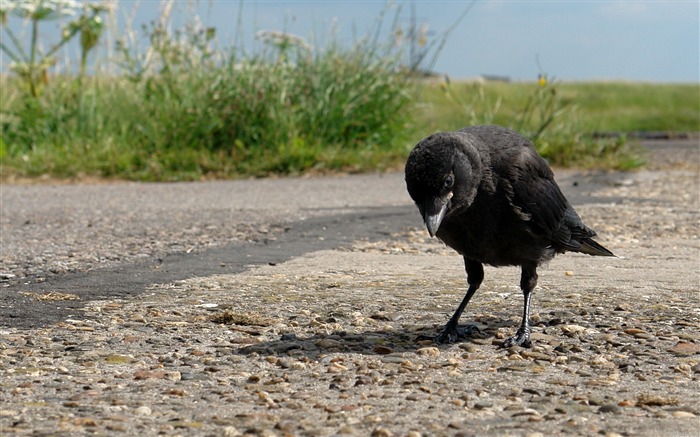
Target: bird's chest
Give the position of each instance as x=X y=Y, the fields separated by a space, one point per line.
x=471 y=236
x=489 y=235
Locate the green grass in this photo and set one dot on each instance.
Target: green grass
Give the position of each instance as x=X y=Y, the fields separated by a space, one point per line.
x=575 y=113
x=336 y=111
x=339 y=111
x=593 y=106
x=181 y=109
x=630 y=107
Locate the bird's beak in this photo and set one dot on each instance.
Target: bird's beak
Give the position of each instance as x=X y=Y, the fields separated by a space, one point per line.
x=434 y=212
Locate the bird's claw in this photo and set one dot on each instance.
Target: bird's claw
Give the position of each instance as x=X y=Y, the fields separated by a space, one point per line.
x=521 y=338
x=452 y=334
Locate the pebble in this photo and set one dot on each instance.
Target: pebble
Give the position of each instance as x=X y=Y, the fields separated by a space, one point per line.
x=143 y=411
x=683 y=415
x=609 y=408
x=382 y=350
x=382 y=432
x=535 y=355
x=684 y=348
x=149 y=374
x=431 y=352
x=393 y=359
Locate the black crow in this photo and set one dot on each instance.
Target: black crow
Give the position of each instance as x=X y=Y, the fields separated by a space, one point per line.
x=488 y=194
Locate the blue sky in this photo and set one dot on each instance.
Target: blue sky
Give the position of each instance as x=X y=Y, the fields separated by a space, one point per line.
x=632 y=40
x=575 y=40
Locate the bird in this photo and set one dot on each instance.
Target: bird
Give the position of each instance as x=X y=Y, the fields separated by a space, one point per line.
x=486 y=193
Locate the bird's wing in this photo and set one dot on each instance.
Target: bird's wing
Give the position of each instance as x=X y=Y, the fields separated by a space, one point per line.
x=537 y=197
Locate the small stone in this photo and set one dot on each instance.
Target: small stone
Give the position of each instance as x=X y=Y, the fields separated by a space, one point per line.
x=457 y=425
x=332 y=408
x=117 y=359
x=148 y=374
x=84 y=421
x=393 y=359
x=685 y=348
x=382 y=432
x=535 y=355
x=596 y=401
x=265 y=397
x=683 y=415
x=384 y=316
x=288 y=337
x=646 y=399
x=382 y=350
x=415 y=397
x=328 y=343
x=336 y=368
x=627 y=403
x=483 y=405
x=431 y=351
x=231 y=431
x=172 y=375
x=609 y=408
x=572 y=329
x=469 y=347
x=143 y=411
x=526 y=412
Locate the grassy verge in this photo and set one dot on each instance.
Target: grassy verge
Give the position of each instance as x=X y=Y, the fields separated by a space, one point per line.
x=593 y=106
x=336 y=110
x=180 y=109
x=576 y=114
x=336 y=113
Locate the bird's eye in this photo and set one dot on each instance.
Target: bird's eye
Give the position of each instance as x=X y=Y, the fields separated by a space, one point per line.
x=448 y=182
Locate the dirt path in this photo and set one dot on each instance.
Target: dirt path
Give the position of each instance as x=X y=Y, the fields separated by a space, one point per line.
x=296 y=307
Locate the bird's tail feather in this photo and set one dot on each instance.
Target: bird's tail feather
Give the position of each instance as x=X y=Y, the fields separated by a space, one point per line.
x=592 y=247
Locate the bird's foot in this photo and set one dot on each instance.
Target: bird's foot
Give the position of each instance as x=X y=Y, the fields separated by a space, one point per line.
x=453 y=333
x=521 y=338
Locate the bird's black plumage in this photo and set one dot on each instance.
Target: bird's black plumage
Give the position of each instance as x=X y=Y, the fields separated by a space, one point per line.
x=488 y=194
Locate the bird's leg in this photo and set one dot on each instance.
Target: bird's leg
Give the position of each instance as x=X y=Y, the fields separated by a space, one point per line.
x=475 y=274
x=528 y=281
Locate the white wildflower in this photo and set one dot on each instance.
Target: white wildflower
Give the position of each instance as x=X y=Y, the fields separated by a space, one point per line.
x=40 y=9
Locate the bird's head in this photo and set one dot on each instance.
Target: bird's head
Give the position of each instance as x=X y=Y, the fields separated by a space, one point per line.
x=442 y=174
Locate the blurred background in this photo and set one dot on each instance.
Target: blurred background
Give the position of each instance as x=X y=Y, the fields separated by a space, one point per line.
x=185 y=89
x=579 y=40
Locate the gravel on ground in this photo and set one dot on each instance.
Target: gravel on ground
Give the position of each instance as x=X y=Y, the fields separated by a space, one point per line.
x=336 y=341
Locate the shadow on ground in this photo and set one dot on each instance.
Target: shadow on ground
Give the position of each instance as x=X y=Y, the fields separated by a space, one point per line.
x=371 y=342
